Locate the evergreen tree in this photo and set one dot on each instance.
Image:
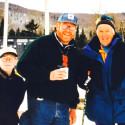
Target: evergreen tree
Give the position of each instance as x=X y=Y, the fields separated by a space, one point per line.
x=77 y=34
x=90 y=35
x=81 y=39
x=11 y=33
x=18 y=32
x=31 y=27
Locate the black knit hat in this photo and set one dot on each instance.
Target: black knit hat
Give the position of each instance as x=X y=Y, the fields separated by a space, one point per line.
x=105 y=20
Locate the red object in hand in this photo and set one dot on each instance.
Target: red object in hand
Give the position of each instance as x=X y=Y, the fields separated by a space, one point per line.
x=88 y=73
x=65 y=61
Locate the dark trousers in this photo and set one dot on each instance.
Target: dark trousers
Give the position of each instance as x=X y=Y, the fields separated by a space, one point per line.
x=113 y=124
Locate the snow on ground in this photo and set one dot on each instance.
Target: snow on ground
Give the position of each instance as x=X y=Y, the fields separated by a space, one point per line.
x=80 y=112
x=79 y=119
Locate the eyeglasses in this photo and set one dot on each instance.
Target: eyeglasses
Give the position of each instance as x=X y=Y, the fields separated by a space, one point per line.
x=10 y=59
x=73 y=27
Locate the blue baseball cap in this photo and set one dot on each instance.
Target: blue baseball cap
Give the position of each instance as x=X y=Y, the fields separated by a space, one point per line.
x=68 y=17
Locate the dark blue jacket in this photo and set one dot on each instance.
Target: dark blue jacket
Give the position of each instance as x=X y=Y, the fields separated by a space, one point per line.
x=106 y=96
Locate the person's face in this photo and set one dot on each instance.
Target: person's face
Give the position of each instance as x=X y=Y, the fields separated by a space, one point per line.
x=105 y=34
x=65 y=32
x=8 y=62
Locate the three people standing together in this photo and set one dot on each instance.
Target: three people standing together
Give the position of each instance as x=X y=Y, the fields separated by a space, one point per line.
x=53 y=68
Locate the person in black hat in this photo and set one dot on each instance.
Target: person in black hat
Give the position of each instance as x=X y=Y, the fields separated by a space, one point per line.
x=106 y=54
x=50 y=65
x=12 y=87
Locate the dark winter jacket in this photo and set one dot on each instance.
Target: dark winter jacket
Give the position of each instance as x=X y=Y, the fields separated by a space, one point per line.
x=12 y=89
x=40 y=58
x=106 y=96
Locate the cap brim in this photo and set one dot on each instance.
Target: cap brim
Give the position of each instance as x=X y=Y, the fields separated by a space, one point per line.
x=9 y=53
x=68 y=21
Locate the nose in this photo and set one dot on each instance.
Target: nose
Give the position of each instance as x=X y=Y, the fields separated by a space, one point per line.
x=104 y=34
x=68 y=28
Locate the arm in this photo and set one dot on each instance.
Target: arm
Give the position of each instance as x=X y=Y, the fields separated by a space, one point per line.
x=83 y=71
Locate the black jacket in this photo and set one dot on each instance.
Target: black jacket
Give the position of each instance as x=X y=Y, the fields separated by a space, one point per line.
x=41 y=57
x=12 y=89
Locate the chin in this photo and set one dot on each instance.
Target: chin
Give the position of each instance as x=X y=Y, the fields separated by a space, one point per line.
x=105 y=43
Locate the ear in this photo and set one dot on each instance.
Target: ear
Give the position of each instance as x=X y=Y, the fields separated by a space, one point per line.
x=96 y=30
x=57 y=26
x=114 y=32
x=0 y=63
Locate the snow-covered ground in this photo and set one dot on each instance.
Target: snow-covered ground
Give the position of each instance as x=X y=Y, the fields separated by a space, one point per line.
x=79 y=119
x=80 y=112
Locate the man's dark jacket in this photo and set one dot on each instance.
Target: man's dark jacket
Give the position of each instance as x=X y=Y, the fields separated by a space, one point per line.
x=41 y=57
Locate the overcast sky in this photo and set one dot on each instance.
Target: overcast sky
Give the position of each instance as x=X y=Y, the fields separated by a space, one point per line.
x=74 y=6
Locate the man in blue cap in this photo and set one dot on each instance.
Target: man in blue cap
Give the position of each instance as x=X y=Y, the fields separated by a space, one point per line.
x=50 y=65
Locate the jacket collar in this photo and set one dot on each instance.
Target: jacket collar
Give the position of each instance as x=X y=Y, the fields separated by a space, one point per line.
x=94 y=44
x=5 y=76
x=70 y=45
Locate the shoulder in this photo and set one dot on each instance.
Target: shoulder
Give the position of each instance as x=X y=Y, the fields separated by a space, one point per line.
x=40 y=41
x=43 y=38
x=120 y=46
x=20 y=81
x=119 y=51
x=123 y=44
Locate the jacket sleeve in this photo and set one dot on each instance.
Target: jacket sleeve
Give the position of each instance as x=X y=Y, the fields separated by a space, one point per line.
x=74 y=103
x=83 y=72
x=31 y=63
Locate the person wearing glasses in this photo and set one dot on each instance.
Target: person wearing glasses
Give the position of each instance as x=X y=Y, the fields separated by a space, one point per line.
x=12 y=87
x=50 y=65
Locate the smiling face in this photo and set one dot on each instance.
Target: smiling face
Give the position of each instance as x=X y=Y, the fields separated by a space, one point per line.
x=105 y=34
x=65 y=32
x=7 y=63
